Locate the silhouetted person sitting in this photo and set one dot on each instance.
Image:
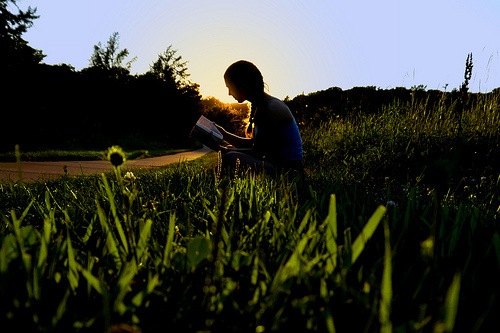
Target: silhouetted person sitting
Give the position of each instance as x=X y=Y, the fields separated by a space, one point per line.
x=273 y=142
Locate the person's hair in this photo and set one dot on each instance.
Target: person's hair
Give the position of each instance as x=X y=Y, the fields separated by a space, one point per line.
x=246 y=77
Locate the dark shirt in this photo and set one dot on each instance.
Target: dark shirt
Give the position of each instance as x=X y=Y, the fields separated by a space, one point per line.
x=276 y=134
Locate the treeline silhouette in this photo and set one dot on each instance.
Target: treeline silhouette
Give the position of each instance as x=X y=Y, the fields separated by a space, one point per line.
x=334 y=102
x=57 y=107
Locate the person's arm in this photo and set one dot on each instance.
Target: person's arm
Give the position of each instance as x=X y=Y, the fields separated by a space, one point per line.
x=235 y=140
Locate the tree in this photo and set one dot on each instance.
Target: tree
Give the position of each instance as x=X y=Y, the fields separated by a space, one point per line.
x=178 y=105
x=172 y=70
x=19 y=64
x=110 y=58
x=233 y=117
x=15 y=53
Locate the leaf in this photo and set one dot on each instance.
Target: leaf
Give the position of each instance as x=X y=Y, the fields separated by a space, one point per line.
x=110 y=241
x=112 y=206
x=92 y=281
x=292 y=267
x=128 y=272
x=331 y=235
x=367 y=232
x=143 y=239
x=451 y=303
x=61 y=308
x=198 y=250
x=153 y=281
x=170 y=240
x=386 y=288
x=72 y=264
x=44 y=242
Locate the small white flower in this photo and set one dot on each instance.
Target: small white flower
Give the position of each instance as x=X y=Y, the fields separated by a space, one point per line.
x=129 y=177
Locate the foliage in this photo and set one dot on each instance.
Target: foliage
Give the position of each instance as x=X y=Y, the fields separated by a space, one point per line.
x=170 y=68
x=16 y=54
x=356 y=246
x=110 y=58
x=107 y=100
x=411 y=141
x=104 y=97
x=233 y=117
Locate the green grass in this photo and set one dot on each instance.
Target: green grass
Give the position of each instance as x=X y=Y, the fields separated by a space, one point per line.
x=368 y=242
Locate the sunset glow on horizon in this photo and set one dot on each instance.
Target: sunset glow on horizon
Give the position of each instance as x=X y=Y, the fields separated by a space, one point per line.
x=300 y=47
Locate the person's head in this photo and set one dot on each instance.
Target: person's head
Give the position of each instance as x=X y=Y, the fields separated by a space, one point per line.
x=244 y=81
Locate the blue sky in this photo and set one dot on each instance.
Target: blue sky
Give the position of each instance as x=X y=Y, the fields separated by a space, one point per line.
x=300 y=46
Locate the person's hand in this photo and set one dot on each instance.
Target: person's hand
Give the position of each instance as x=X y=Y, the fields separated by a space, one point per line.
x=227 y=148
x=227 y=145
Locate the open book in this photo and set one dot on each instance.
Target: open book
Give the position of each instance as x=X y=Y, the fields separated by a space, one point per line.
x=207 y=133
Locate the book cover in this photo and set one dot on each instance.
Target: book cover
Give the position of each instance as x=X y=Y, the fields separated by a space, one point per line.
x=207 y=133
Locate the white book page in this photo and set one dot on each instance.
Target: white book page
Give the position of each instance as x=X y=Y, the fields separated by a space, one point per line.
x=209 y=126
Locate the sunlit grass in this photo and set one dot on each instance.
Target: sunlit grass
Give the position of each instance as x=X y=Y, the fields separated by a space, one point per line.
x=408 y=142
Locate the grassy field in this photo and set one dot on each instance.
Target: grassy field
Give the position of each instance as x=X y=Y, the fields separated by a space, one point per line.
x=395 y=228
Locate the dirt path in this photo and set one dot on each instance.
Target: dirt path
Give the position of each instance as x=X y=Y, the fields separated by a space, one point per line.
x=34 y=171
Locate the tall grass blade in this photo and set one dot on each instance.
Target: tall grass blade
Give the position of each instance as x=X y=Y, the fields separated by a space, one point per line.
x=93 y=281
x=110 y=241
x=303 y=223
x=451 y=303
x=292 y=267
x=20 y=235
x=61 y=309
x=118 y=225
x=347 y=249
x=72 y=264
x=170 y=241
x=129 y=270
x=143 y=240
x=151 y=285
x=329 y=323
x=44 y=242
x=386 y=288
x=331 y=235
x=359 y=243
x=198 y=250
x=12 y=245
x=254 y=276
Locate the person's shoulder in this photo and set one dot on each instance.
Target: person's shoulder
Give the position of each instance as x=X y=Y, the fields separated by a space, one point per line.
x=277 y=104
x=271 y=100
x=278 y=109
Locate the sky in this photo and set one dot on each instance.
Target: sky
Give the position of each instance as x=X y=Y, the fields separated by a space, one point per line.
x=300 y=46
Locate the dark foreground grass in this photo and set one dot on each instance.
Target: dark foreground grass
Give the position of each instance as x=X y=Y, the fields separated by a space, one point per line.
x=183 y=250
x=367 y=242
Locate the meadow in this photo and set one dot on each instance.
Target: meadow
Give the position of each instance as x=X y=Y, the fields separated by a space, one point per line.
x=394 y=228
